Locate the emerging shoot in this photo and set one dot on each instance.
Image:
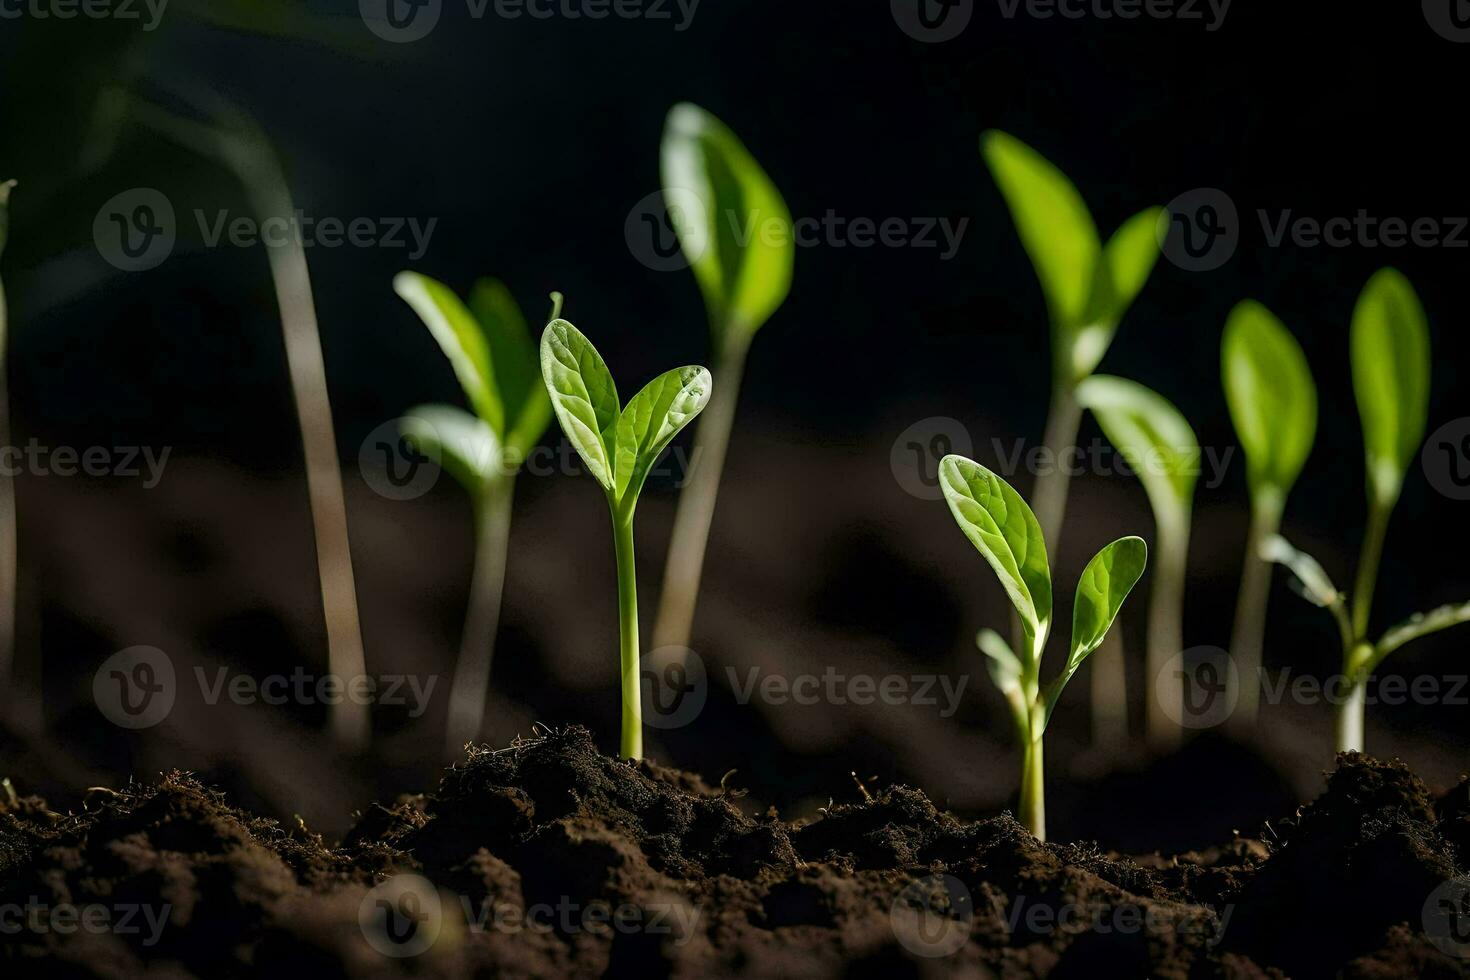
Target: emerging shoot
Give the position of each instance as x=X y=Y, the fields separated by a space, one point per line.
x=711 y=181
x=494 y=356
x=1088 y=286
x=619 y=444
x=1390 y=357
x=1005 y=531
x=1273 y=403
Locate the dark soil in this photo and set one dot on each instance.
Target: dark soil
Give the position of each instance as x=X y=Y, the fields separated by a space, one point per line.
x=548 y=858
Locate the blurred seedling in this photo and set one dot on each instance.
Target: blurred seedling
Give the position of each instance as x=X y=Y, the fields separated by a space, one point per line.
x=619 y=444
x=1007 y=534
x=493 y=354
x=7 y=488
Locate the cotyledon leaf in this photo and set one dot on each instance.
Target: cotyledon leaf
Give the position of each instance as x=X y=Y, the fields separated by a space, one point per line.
x=1271 y=395
x=651 y=420
x=1390 y=354
x=465 y=445
x=461 y=339
x=583 y=396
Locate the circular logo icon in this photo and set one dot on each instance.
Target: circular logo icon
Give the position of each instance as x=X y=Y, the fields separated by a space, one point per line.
x=396 y=465
x=917 y=451
x=1446 y=459
x=135 y=688
x=932 y=917
x=1449 y=18
x=402 y=916
x=933 y=21
x=668 y=230
x=135 y=230
x=1199 y=688
x=400 y=21
x=675 y=687
x=1447 y=917
x=1199 y=230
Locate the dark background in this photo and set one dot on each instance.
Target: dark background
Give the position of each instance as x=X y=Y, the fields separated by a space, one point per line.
x=530 y=141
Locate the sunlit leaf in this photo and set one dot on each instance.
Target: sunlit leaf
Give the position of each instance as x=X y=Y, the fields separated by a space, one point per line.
x=652 y=419
x=1153 y=437
x=1418 y=625
x=464 y=445
x=1105 y=583
x=514 y=358
x=1390 y=351
x=1126 y=262
x=461 y=339
x=1272 y=398
x=583 y=396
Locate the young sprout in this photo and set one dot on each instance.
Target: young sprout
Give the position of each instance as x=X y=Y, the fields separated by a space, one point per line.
x=236 y=142
x=1273 y=403
x=1162 y=449
x=7 y=486
x=619 y=445
x=494 y=356
x=1088 y=287
x=744 y=282
x=1000 y=524
x=1390 y=357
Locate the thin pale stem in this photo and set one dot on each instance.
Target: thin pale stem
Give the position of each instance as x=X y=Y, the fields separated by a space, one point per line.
x=1247 y=636
x=1368 y=561
x=471 y=685
x=1049 y=496
x=1166 y=634
x=632 y=730
x=1033 y=788
x=1350 y=714
x=674 y=624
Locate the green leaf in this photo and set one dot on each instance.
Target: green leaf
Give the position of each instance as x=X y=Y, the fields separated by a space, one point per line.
x=1126 y=262
x=1316 y=585
x=515 y=362
x=1390 y=351
x=652 y=419
x=1105 y=583
x=741 y=247
x=1153 y=437
x=583 y=396
x=464 y=444
x=1006 y=672
x=1056 y=230
x=461 y=339
x=1420 y=624
x=1000 y=524
x=1272 y=398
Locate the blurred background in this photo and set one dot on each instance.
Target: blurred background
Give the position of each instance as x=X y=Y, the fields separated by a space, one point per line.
x=528 y=143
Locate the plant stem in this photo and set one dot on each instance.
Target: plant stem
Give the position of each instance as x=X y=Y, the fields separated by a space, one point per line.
x=1250 y=610
x=1049 y=496
x=1368 y=561
x=471 y=685
x=9 y=701
x=1166 y=633
x=632 y=731
x=674 y=624
x=1350 y=717
x=1033 y=788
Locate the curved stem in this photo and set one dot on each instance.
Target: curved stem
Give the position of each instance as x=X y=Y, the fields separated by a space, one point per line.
x=674 y=623
x=471 y=684
x=631 y=743
x=1247 y=635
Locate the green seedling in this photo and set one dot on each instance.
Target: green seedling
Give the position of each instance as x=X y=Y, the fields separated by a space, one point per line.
x=1089 y=286
x=716 y=188
x=1005 y=531
x=1390 y=358
x=1162 y=449
x=619 y=444
x=494 y=356
x=1273 y=404
x=7 y=486
x=234 y=141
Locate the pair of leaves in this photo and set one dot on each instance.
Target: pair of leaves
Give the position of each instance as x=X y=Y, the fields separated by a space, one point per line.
x=1272 y=399
x=1088 y=285
x=1390 y=354
x=729 y=207
x=493 y=356
x=1312 y=582
x=1003 y=529
x=1153 y=437
x=618 y=444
